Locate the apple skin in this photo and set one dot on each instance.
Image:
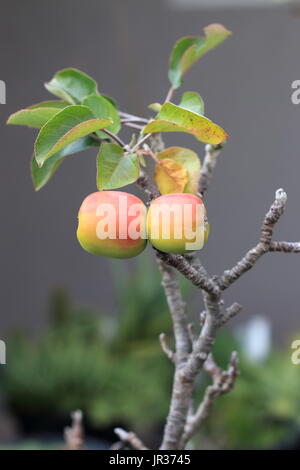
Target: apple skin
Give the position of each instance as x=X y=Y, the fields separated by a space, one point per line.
x=207 y=232
x=173 y=244
x=122 y=246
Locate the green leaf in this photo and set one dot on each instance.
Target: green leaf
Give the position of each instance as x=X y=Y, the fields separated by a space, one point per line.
x=142 y=160
x=172 y=118
x=111 y=100
x=102 y=108
x=36 y=117
x=187 y=159
x=155 y=107
x=65 y=127
x=189 y=50
x=114 y=168
x=60 y=104
x=71 y=85
x=193 y=102
x=41 y=176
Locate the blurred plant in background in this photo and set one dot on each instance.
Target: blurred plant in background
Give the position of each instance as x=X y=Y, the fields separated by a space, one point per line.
x=112 y=368
x=264 y=409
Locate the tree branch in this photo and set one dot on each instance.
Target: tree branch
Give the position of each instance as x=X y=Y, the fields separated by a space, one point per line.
x=285 y=247
x=115 y=138
x=192 y=352
x=209 y=163
x=203 y=345
x=130 y=438
x=169 y=94
x=74 y=435
x=132 y=124
x=231 y=312
x=223 y=382
x=265 y=244
x=144 y=183
x=132 y=117
x=165 y=347
x=178 y=311
x=184 y=266
x=180 y=397
x=141 y=141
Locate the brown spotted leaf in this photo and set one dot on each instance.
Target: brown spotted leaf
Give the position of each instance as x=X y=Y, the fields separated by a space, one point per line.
x=172 y=118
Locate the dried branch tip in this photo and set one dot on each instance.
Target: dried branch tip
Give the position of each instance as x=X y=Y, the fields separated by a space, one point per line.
x=130 y=438
x=74 y=435
x=281 y=196
x=165 y=347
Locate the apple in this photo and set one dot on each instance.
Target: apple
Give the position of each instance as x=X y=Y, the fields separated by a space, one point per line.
x=112 y=224
x=175 y=223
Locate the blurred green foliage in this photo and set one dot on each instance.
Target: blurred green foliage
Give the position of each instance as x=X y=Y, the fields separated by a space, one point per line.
x=32 y=445
x=263 y=410
x=112 y=367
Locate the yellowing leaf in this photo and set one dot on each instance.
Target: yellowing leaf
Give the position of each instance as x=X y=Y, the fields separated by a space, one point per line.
x=188 y=160
x=172 y=118
x=193 y=102
x=170 y=176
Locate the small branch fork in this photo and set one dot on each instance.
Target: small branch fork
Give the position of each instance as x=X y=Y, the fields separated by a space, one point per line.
x=214 y=286
x=130 y=438
x=265 y=244
x=222 y=382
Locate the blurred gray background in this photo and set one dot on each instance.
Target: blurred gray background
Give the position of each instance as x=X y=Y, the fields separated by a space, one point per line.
x=125 y=45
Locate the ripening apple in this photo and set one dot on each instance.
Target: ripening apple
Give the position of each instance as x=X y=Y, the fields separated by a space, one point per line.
x=112 y=224
x=175 y=223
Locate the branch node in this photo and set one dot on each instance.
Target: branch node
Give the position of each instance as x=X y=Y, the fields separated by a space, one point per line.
x=201 y=355
x=222 y=382
x=265 y=244
x=202 y=317
x=210 y=160
x=231 y=312
x=192 y=333
x=165 y=347
x=130 y=438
